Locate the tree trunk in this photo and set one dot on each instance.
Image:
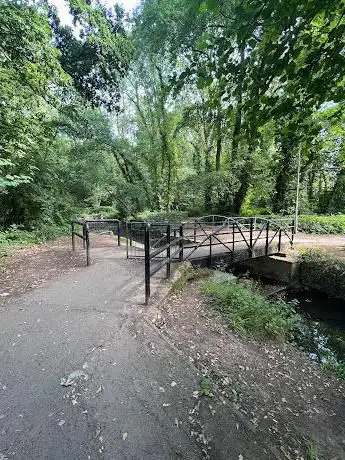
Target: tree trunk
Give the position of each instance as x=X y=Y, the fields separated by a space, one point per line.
x=283 y=177
x=238 y=116
x=208 y=198
x=218 y=150
x=219 y=140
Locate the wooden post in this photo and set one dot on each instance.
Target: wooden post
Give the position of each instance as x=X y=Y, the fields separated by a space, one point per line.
x=194 y=231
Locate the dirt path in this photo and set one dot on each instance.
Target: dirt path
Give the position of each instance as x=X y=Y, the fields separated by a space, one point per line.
x=288 y=400
x=30 y=267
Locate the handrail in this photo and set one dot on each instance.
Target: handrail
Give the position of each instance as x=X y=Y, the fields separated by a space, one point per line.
x=231 y=232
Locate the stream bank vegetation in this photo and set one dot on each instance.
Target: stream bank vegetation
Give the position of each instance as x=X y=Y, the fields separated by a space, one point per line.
x=248 y=311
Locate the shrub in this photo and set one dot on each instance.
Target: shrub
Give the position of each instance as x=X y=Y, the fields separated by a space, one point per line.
x=249 y=311
x=323 y=272
x=162 y=216
x=16 y=236
x=188 y=273
x=333 y=224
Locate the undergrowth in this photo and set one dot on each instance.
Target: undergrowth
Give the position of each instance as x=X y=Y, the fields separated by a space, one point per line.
x=186 y=274
x=333 y=224
x=249 y=311
x=15 y=236
x=323 y=272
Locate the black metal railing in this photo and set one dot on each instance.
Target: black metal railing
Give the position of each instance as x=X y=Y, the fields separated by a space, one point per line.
x=93 y=225
x=85 y=236
x=162 y=243
x=162 y=251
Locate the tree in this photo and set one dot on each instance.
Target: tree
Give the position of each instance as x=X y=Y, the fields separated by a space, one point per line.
x=98 y=56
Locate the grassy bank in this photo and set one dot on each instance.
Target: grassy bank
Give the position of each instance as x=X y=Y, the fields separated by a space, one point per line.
x=249 y=311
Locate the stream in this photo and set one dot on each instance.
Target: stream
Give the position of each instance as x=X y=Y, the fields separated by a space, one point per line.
x=323 y=335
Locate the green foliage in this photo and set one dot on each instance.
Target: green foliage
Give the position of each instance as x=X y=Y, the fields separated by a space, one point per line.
x=99 y=57
x=312 y=451
x=162 y=216
x=14 y=236
x=338 y=367
x=249 y=311
x=186 y=274
x=206 y=386
x=332 y=224
x=323 y=272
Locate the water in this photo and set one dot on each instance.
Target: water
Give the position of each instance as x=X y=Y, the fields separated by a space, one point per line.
x=323 y=334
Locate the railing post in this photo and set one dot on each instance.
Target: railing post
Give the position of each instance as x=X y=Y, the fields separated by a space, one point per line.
x=84 y=237
x=292 y=233
x=251 y=236
x=181 y=243
x=280 y=240
x=233 y=237
x=210 y=255
x=126 y=230
x=267 y=236
x=87 y=237
x=168 y=251
x=147 y=263
x=73 y=236
x=130 y=234
x=194 y=231
x=118 y=234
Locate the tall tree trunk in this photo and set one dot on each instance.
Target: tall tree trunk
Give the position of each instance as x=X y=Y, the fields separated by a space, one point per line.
x=245 y=177
x=219 y=139
x=284 y=176
x=238 y=115
x=218 y=149
x=208 y=198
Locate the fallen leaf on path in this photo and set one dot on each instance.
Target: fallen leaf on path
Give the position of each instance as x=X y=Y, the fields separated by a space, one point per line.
x=61 y=423
x=73 y=376
x=124 y=436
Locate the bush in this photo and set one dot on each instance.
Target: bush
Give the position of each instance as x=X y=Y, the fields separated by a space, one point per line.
x=333 y=224
x=163 y=216
x=249 y=311
x=16 y=236
x=188 y=273
x=323 y=272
